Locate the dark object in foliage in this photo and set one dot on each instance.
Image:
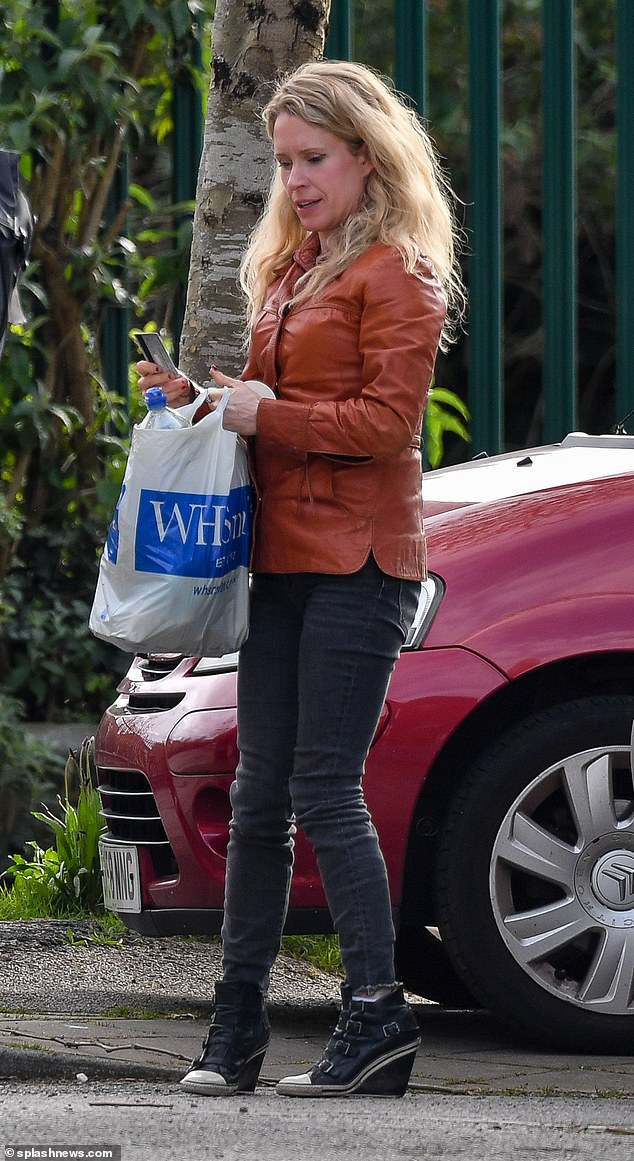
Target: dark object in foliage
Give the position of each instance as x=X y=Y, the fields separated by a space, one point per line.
x=16 y=233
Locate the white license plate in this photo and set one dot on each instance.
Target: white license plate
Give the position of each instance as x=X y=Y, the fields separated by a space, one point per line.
x=120 y=876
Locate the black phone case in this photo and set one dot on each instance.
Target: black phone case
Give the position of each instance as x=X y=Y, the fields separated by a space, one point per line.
x=152 y=346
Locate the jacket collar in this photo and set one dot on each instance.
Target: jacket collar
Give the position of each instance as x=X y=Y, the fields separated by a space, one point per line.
x=307 y=252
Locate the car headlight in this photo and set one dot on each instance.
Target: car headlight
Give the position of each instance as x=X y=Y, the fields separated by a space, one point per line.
x=208 y=665
x=431 y=594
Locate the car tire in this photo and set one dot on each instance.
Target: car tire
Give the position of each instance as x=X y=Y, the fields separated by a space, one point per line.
x=534 y=882
x=425 y=969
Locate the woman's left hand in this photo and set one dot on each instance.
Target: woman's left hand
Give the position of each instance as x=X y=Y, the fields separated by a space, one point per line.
x=241 y=410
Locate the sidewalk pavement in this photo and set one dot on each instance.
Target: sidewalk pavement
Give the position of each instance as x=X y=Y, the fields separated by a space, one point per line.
x=461 y=1052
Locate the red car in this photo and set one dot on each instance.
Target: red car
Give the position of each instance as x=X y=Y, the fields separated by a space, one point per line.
x=500 y=776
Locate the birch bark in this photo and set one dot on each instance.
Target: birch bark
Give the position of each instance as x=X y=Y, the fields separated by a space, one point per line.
x=254 y=42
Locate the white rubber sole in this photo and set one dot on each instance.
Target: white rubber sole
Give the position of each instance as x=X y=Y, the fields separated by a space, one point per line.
x=391 y=1073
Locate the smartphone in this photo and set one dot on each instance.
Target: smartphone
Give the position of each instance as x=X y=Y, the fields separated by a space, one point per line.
x=151 y=345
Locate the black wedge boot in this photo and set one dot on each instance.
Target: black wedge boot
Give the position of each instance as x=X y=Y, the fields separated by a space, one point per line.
x=344 y=1011
x=234 y=1049
x=371 y=1052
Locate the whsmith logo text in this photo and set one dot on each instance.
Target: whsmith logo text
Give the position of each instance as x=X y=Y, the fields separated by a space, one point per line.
x=185 y=534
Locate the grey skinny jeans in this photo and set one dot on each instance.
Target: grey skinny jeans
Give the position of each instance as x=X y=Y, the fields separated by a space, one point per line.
x=312 y=680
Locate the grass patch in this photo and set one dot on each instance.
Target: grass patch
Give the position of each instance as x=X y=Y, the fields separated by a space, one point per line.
x=322 y=951
x=17 y=904
x=129 y=1012
x=106 y=930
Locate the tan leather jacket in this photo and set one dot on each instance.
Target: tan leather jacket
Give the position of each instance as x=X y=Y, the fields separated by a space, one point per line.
x=336 y=458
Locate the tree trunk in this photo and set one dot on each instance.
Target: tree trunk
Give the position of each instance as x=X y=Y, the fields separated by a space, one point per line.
x=254 y=43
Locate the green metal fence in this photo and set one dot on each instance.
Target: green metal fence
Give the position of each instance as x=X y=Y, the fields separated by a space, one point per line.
x=413 y=49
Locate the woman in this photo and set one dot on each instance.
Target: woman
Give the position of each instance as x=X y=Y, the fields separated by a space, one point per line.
x=348 y=278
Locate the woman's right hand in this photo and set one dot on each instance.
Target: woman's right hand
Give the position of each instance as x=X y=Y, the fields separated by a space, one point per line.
x=178 y=391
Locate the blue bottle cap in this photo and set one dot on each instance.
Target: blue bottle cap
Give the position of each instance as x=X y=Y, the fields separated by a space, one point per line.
x=155 y=398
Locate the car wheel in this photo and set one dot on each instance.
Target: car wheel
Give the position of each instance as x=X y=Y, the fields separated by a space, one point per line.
x=535 y=877
x=425 y=969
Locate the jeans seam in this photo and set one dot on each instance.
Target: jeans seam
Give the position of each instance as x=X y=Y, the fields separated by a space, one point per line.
x=359 y=899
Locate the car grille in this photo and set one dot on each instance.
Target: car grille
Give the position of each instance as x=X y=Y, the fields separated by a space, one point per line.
x=129 y=808
x=151 y=702
x=153 y=666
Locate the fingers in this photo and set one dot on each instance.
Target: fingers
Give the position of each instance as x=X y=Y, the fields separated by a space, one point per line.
x=224 y=380
x=221 y=380
x=145 y=368
x=177 y=390
x=214 y=397
x=181 y=391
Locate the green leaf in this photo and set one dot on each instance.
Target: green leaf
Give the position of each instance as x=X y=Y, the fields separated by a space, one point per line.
x=67 y=60
x=142 y=196
x=132 y=10
x=443 y=395
x=92 y=34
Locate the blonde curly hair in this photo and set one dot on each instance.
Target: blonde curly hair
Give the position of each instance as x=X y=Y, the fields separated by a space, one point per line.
x=408 y=203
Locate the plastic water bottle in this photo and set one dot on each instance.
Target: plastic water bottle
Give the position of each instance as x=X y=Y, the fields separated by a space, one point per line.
x=159 y=415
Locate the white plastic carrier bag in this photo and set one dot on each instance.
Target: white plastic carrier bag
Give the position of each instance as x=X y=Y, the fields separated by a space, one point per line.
x=174 y=573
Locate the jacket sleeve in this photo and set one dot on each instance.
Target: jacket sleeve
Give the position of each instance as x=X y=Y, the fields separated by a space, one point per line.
x=400 y=324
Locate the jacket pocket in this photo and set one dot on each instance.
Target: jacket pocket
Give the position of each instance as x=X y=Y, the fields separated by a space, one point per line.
x=315 y=482
x=355 y=485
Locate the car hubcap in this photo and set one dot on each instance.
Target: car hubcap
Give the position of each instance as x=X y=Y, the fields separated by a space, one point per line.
x=562 y=880
x=607 y=892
